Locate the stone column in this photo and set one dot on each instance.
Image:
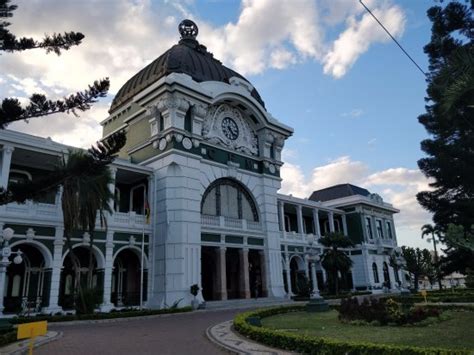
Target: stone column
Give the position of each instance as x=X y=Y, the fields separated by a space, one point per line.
x=317 y=227
x=314 y=278
x=299 y=217
x=56 y=271
x=3 y=273
x=7 y=152
x=344 y=224
x=109 y=264
x=288 y=275
x=244 y=287
x=111 y=186
x=331 y=222
x=221 y=273
x=281 y=213
x=263 y=272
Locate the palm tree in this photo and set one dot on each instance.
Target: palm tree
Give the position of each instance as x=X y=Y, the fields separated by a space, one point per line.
x=333 y=259
x=429 y=229
x=85 y=196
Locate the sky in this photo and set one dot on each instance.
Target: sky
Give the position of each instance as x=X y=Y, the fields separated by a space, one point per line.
x=323 y=67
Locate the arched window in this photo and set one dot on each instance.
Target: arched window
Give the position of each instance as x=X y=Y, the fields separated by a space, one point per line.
x=117 y=199
x=161 y=123
x=16 y=286
x=19 y=176
x=226 y=197
x=376 y=273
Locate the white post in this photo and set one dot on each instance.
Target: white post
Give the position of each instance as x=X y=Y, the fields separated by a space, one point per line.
x=288 y=275
x=317 y=227
x=7 y=152
x=315 y=279
x=344 y=224
x=56 y=272
x=331 y=221
x=299 y=217
x=281 y=210
x=109 y=264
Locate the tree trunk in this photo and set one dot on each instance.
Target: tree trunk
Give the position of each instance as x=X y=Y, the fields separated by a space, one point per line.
x=91 y=260
x=438 y=274
x=416 y=281
x=336 y=283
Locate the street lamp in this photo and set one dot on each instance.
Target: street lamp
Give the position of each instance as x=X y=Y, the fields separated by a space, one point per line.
x=7 y=235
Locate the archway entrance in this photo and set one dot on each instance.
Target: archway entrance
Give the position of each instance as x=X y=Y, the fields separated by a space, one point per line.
x=208 y=273
x=233 y=273
x=126 y=279
x=386 y=275
x=25 y=282
x=255 y=274
x=76 y=273
x=297 y=272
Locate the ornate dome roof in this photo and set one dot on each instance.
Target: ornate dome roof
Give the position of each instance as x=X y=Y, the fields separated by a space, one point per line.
x=187 y=57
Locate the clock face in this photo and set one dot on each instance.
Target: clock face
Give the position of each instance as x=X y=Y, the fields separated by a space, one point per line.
x=230 y=128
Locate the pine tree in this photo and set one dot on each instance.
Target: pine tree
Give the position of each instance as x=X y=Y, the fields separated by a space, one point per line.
x=39 y=106
x=449 y=121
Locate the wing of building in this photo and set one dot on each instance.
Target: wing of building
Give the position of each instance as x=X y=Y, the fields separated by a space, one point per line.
x=205 y=154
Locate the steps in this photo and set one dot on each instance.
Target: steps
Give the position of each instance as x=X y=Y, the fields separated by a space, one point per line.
x=248 y=303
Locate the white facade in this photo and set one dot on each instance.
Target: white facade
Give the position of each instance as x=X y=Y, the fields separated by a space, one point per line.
x=186 y=139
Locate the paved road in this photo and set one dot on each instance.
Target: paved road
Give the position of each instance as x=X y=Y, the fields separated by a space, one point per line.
x=169 y=334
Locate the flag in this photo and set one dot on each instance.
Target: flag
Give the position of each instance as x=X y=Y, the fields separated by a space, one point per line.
x=147 y=212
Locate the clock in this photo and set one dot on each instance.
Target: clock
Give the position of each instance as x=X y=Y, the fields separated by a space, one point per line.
x=230 y=128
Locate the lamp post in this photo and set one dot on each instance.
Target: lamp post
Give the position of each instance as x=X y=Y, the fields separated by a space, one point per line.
x=312 y=256
x=316 y=302
x=7 y=235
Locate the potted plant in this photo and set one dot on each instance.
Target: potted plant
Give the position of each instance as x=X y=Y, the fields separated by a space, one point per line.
x=194 y=290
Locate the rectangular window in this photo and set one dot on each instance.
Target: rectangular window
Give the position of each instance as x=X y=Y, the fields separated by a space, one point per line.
x=368 y=227
x=379 y=228
x=389 y=229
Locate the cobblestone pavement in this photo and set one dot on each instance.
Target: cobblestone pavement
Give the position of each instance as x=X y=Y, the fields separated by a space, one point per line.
x=169 y=334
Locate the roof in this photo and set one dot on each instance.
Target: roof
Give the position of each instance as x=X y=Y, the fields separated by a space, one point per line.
x=338 y=191
x=187 y=57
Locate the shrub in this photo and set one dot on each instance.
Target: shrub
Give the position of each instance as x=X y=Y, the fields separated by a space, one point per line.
x=384 y=311
x=314 y=345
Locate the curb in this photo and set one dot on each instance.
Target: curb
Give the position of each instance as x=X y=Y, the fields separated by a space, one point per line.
x=21 y=347
x=224 y=336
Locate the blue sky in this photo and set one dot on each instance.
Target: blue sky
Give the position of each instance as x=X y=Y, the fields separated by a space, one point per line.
x=323 y=67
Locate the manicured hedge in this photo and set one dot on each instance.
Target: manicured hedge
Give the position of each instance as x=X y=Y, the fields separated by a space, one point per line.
x=96 y=316
x=314 y=345
x=444 y=299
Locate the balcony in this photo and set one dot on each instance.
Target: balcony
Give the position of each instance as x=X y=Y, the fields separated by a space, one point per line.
x=221 y=222
x=31 y=210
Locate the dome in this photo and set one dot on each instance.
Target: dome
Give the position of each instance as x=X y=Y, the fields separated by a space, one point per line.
x=187 y=57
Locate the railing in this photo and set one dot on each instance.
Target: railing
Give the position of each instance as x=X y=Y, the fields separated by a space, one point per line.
x=230 y=223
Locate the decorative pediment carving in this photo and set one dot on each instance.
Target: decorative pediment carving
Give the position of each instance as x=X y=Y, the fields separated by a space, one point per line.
x=225 y=125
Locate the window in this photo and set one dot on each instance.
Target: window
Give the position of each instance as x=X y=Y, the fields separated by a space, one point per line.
x=376 y=273
x=368 y=227
x=337 y=226
x=117 y=199
x=188 y=120
x=16 y=286
x=137 y=199
x=161 y=123
x=389 y=229
x=287 y=223
x=226 y=197
x=19 y=176
x=379 y=228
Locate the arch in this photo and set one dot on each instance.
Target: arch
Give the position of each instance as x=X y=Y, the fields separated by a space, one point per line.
x=254 y=108
x=47 y=256
x=136 y=250
x=244 y=198
x=99 y=257
x=20 y=172
x=126 y=277
x=299 y=261
x=375 y=272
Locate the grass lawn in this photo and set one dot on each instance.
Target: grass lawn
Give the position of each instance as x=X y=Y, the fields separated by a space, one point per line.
x=457 y=332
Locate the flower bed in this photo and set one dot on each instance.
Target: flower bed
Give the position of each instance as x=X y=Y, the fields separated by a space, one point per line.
x=320 y=345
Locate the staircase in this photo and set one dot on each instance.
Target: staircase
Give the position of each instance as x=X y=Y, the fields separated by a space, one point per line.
x=248 y=303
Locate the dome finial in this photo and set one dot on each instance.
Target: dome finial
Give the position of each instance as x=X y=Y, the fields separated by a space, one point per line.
x=188 y=29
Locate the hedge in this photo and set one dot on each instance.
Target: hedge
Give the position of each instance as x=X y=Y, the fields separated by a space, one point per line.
x=97 y=316
x=314 y=345
x=443 y=299
x=8 y=337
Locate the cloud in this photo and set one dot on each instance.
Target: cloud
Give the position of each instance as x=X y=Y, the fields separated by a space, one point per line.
x=354 y=113
x=398 y=186
x=358 y=37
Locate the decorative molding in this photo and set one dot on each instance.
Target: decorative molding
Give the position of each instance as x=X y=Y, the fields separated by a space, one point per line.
x=245 y=142
x=30 y=234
